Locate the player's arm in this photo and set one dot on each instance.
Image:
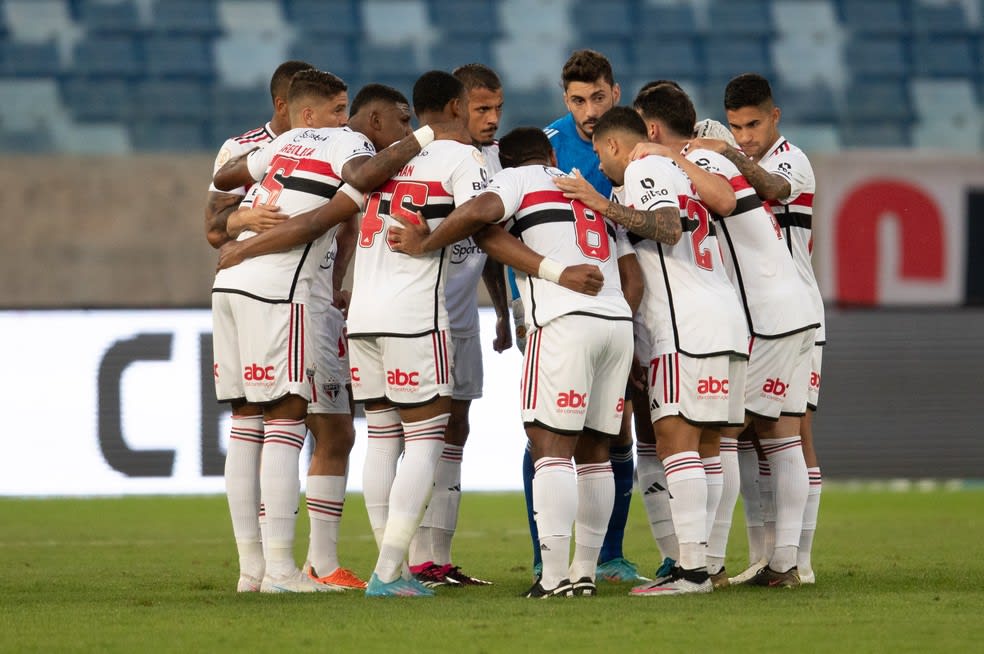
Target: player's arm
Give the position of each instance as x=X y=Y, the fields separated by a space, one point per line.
x=714 y=190
x=303 y=228
x=345 y=240
x=218 y=207
x=768 y=186
x=234 y=173
x=493 y=274
x=464 y=221
x=633 y=285
x=258 y=219
x=509 y=250
x=661 y=224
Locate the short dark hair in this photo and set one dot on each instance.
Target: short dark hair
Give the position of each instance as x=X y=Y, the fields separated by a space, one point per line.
x=523 y=144
x=434 y=90
x=280 y=81
x=747 y=90
x=314 y=83
x=477 y=76
x=658 y=82
x=622 y=119
x=587 y=66
x=373 y=92
x=670 y=105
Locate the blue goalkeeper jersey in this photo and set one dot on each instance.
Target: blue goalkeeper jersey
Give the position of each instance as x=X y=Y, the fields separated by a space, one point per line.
x=574 y=152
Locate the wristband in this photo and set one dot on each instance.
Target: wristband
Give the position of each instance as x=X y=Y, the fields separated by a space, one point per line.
x=550 y=270
x=424 y=136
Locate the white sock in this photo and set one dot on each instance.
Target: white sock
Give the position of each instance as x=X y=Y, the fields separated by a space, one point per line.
x=792 y=485
x=652 y=484
x=717 y=538
x=715 y=486
x=803 y=559
x=412 y=487
x=280 y=487
x=242 y=482
x=383 y=450
x=555 y=509
x=687 y=485
x=767 y=492
x=595 y=499
x=442 y=512
x=748 y=470
x=325 y=497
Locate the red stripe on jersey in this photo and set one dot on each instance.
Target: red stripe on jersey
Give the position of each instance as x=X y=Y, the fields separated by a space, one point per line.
x=318 y=167
x=739 y=183
x=542 y=197
x=434 y=189
x=803 y=200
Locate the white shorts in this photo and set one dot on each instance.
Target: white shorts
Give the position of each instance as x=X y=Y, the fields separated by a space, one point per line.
x=816 y=363
x=261 y=349
x=778 y=375
x=467 y=370
x=407 y=371
x=702 y=390
x=574 y=373
x=331 y=376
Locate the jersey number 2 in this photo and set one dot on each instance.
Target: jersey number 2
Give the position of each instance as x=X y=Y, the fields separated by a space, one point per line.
x=702 y=256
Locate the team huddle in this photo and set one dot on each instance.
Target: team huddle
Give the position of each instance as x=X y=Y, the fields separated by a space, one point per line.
x=661 y=280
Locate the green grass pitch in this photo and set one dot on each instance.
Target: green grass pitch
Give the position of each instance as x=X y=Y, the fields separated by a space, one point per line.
x=896 y=572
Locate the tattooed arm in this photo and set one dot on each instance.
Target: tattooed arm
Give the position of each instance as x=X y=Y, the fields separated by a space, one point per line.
x=767 y=185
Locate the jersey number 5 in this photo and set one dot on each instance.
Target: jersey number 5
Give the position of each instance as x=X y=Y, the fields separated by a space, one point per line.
x=413 y=193
x=280 y=167
x=592 y=233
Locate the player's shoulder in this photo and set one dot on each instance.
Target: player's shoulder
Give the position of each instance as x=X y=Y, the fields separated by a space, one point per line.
x=559 y=130
x=254 y=136
x=651 y=165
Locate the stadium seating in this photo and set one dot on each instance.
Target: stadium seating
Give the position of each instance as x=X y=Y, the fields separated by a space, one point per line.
x=847 y=72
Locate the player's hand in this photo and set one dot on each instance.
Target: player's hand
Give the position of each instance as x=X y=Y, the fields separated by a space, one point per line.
x=408 y=237
x=341 y=299
x=575 y=187
x=451 y=131
x=637 y=374
x=519 y=320
x=644 y=149
x=230 y=254
x=714 y=145
x=503 y=334
x=582 y=278
x=712 y=129
x=261 y=217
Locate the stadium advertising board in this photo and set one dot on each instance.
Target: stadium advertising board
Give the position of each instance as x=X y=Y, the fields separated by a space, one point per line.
x=122 y=402
x=895 y=228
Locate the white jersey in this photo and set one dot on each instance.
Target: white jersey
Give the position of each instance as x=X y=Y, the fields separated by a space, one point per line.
x=300 y=170
x=237 y=146
x=758 y=261
x=466 y=263
x=689 y=300
x=395 y=294
x=795 y=214
x=566 y=231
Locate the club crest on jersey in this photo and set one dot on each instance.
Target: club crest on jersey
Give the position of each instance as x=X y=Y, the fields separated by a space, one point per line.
x=331 y=389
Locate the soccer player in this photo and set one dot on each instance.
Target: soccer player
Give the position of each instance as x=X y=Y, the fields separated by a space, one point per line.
x=695 y=326
x=782 y=176
x=590 y=90
x=271 y=294
x=782 y=322
x=430 y=550
x=577 y=356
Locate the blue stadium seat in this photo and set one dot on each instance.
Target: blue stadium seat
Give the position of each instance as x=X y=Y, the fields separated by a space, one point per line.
x=35 y=141
x=160 y=136
x=943 y=57
x=875 y=135
x=109 y=17
x=20 y=59
x=338 y=55
x=668 y=58
x=666 y=20
x=619 y=54
x=249 y=105
x=94 y=100
x=877 y=101
x=199 y=17
x=877 y=57
x=385 y=61
x=725 y=58
x=466 y=17
x=180 y=56
x=448 y=55
x=943 y=19
x=172 y=99
x=338 y=18
x=603 y=20
x=536 y=108
x=875 y=16
x=113 y=56
x=812 y=104
x=746 y=18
